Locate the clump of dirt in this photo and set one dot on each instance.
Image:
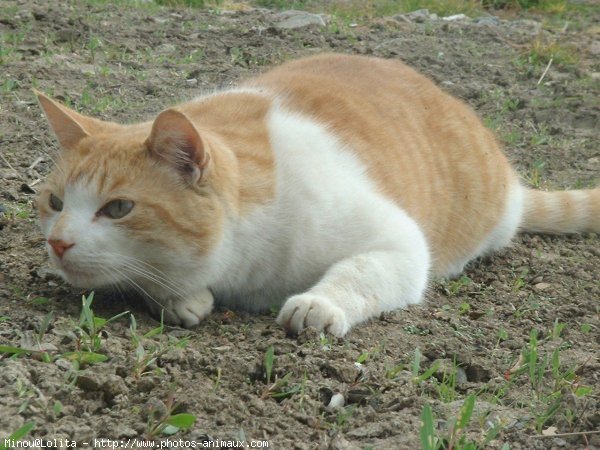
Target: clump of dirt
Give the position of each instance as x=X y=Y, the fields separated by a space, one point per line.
x=540 y=297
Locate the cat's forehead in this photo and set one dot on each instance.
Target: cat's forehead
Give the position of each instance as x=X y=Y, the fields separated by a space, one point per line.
x=104 y=163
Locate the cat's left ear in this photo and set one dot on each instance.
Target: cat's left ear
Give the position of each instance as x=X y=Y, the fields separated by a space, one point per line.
x=175 y=139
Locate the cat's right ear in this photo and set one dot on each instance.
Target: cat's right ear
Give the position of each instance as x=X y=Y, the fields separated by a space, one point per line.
x=69 y=126
x=175 y=139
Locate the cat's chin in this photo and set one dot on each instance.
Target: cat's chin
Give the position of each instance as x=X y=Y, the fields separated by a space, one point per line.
x=81 y=279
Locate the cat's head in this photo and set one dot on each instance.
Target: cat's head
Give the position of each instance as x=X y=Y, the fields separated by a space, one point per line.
x=126 y=203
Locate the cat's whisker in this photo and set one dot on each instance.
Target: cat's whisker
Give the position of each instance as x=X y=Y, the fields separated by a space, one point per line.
x=116 y=283
x=149 y=276
x=152 y=269
x=145 y=293
x=159 y=278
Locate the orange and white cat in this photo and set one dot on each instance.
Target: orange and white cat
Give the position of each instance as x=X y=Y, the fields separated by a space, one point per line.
x=334 y=186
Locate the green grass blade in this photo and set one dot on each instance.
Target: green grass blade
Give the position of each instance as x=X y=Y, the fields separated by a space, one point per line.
x=427 y=433
x=17 y=435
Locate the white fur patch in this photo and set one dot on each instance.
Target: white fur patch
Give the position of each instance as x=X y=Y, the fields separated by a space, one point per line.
x=328 y=223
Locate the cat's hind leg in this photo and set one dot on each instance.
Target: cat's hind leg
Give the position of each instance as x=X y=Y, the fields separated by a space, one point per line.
x=362 y=286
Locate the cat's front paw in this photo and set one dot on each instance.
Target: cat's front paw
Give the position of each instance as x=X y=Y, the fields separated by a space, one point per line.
x=187 y=312
x=309 y=310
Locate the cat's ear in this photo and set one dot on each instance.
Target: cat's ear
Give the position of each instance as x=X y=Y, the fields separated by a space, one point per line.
x=69 y=126
x=175 y=139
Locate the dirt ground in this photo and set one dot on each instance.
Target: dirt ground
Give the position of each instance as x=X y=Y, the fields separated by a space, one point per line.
x=126 y=63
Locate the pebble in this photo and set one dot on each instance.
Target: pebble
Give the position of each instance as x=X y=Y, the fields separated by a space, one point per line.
x=154 y=408
x=418 y=16
x=541 y=286
x=491 y=21
x=337 y=401
x=339 y=442
x=292 y=19
x=9 y=174
x=63 y=364
x=455 y=17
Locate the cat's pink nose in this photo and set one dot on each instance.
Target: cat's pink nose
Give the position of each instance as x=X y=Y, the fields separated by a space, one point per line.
x=59 y=246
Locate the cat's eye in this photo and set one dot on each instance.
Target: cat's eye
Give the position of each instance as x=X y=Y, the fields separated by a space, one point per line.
x=55 y=203
x=115 y=209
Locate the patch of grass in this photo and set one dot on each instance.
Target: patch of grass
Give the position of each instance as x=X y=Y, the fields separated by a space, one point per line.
x=91 y=326
x=534 y=179
x=454 y=287
x=16 y=212
x=148 y=350
x=168 y=422
x=456 y=436
x=551 y=384
x=541 y=52
x=280 y=387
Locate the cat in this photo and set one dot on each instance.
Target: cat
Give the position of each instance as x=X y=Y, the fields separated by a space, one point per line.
x=332 y=186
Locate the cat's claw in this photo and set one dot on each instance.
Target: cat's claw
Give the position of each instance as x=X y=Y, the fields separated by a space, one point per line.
x=187 y=312
x=309 y=310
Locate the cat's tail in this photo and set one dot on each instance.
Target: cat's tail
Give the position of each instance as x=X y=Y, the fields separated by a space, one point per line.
x=561 y=211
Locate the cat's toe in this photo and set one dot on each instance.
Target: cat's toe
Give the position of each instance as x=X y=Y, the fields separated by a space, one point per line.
x=308 y=310
x=192 y=310
x=187 y=312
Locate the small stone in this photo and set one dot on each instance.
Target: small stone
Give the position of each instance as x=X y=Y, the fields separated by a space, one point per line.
x=455 y=17
x=418 y=16
x=89 y=382
x=337 y=401
x=490 y=21
x=191 y=82
x=447 y=368
x=166 y=48
x=593 y=163
x=345 y=372
x=125 y=432
x=113 y=386
x=541 y=286
x=154 y=409
x=9 y=174
x=63 y=364
x=478 y=374
x=292 y=19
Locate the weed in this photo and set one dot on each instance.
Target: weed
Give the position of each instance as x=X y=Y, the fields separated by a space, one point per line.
x=90 y=326
x=454 y=287
x=168 y=423
x=268 y=363
x=549 y=398
x=16 y=435
x=325 y=342
x=456 y=437
x=147 y=355
x=280 y=388
x=416 y=368
x=520 y=282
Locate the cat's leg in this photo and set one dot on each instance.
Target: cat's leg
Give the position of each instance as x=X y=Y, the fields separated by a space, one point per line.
x=187 y=311
x=360 y=287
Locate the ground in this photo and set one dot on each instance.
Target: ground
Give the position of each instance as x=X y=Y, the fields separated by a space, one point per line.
x=518 y=333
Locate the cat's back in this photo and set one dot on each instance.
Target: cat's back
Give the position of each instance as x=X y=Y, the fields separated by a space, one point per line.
x=424 y=149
